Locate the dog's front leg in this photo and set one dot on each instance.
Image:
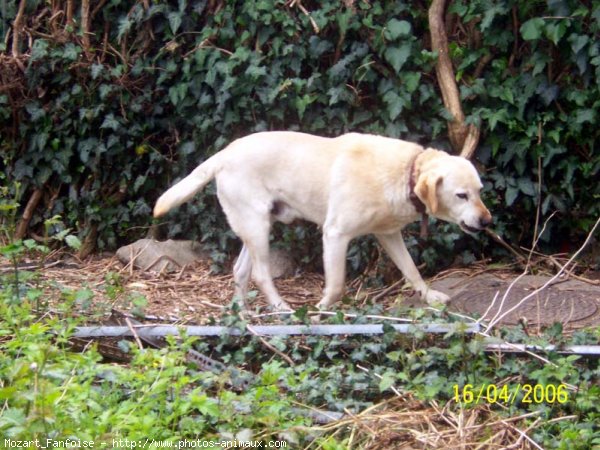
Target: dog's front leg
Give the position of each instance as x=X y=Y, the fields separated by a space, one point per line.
x=335 y=246
x=395 y=247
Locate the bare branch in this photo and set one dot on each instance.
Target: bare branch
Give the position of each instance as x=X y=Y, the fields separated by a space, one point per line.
x=85 y=25
x=463 y=137
x=17 y=27
x=34 y=200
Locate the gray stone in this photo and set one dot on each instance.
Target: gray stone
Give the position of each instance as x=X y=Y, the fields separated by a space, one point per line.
x=281 y=263
x=166 y=256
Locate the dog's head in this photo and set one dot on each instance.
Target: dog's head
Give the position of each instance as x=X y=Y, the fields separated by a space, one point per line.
x=449 y=186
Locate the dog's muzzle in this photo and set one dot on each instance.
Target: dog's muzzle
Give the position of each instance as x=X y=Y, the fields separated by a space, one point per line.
x=484 y=222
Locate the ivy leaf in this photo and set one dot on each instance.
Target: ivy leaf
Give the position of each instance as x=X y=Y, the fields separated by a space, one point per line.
x=490 y=14
x=71 y=51
x=555 y=31
x=302 y=102
x=187 y=148
x=96 y=70
x=397 y=56
x=578 y=41
x=110 y=122
x=511 y=195
x=559 y=7
x=73 y=241
x=123 y=27
x=395 y=104
x=411 y=81
x=39 y=49
x=85 y=147
x=396 y=28
x=139 y=182
x=527 y=187
x=548 y=92
x=386 y=381
x=22 y=170
x=585 y=115
x=532 y=29
x=35 y=111
x=177 y=93
x=174 y=21
x=494 y=117
x=13 y=419
x=336 y=94
x=255 y=72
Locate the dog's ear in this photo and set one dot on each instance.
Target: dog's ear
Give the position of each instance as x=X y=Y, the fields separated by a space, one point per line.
x=426 y=189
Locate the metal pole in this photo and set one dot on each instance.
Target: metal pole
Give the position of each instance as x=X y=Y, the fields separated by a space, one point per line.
x=269 y=330
x=146 y=331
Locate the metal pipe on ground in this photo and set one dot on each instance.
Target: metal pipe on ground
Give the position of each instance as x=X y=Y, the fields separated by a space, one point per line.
x=269 y=330
x=154 y=331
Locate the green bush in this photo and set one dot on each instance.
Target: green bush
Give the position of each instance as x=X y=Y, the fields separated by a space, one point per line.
x=105 y=128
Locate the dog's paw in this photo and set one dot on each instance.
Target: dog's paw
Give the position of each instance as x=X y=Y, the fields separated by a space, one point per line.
x=322 y=306
x=432 y=297
x=282 y=307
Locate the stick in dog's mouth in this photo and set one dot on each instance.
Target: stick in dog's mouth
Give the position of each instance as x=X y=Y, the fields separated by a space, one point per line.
x=468 y=229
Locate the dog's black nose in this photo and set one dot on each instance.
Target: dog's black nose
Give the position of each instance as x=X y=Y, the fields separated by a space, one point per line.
x=485 y=221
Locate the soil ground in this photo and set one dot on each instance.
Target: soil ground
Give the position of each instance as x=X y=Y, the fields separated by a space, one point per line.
x=195 y=294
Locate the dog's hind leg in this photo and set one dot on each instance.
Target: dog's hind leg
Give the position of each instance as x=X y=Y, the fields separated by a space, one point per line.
x=253 y=229
x=335 y=246
x=242 y=270
x=257 y=242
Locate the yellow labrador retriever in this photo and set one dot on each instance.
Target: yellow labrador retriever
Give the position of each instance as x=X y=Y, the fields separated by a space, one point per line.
x=350 y=186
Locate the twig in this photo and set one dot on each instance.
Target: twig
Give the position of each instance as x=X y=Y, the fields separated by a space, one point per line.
x=549 y=282
x=133 y=332
x=376 y=375
x=159 y=258
x=525 y=271
x=523 y=434
x=298 y=4
x=489 y=307
x=270 y=347
x=387 y=290
x=505 y=296
x=557 y=264
x=502 y=242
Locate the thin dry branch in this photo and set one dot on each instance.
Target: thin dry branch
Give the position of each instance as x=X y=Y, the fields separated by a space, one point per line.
x=551 y=281
x=298 y=4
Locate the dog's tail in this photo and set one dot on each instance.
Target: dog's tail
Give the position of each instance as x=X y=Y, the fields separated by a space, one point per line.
x=186 y=188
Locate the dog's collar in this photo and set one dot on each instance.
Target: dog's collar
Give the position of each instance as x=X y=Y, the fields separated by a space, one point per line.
x=414 y=199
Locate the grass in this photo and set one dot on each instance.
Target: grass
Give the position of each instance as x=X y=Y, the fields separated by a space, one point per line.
x=393 y=389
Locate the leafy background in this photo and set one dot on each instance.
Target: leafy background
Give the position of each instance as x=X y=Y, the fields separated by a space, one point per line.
x=104 y=121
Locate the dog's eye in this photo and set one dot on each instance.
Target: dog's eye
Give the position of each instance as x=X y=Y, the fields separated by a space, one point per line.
x=462 y=196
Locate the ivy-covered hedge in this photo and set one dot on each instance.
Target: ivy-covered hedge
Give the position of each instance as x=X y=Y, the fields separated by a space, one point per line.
x=102 y=115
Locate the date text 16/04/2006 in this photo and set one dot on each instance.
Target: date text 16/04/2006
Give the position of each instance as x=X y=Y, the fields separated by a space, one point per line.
x=510 y=394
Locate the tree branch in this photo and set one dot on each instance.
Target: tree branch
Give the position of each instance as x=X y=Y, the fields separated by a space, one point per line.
x=85 y=26
x=34 y=200
x=17 y=26
x=463 y=137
